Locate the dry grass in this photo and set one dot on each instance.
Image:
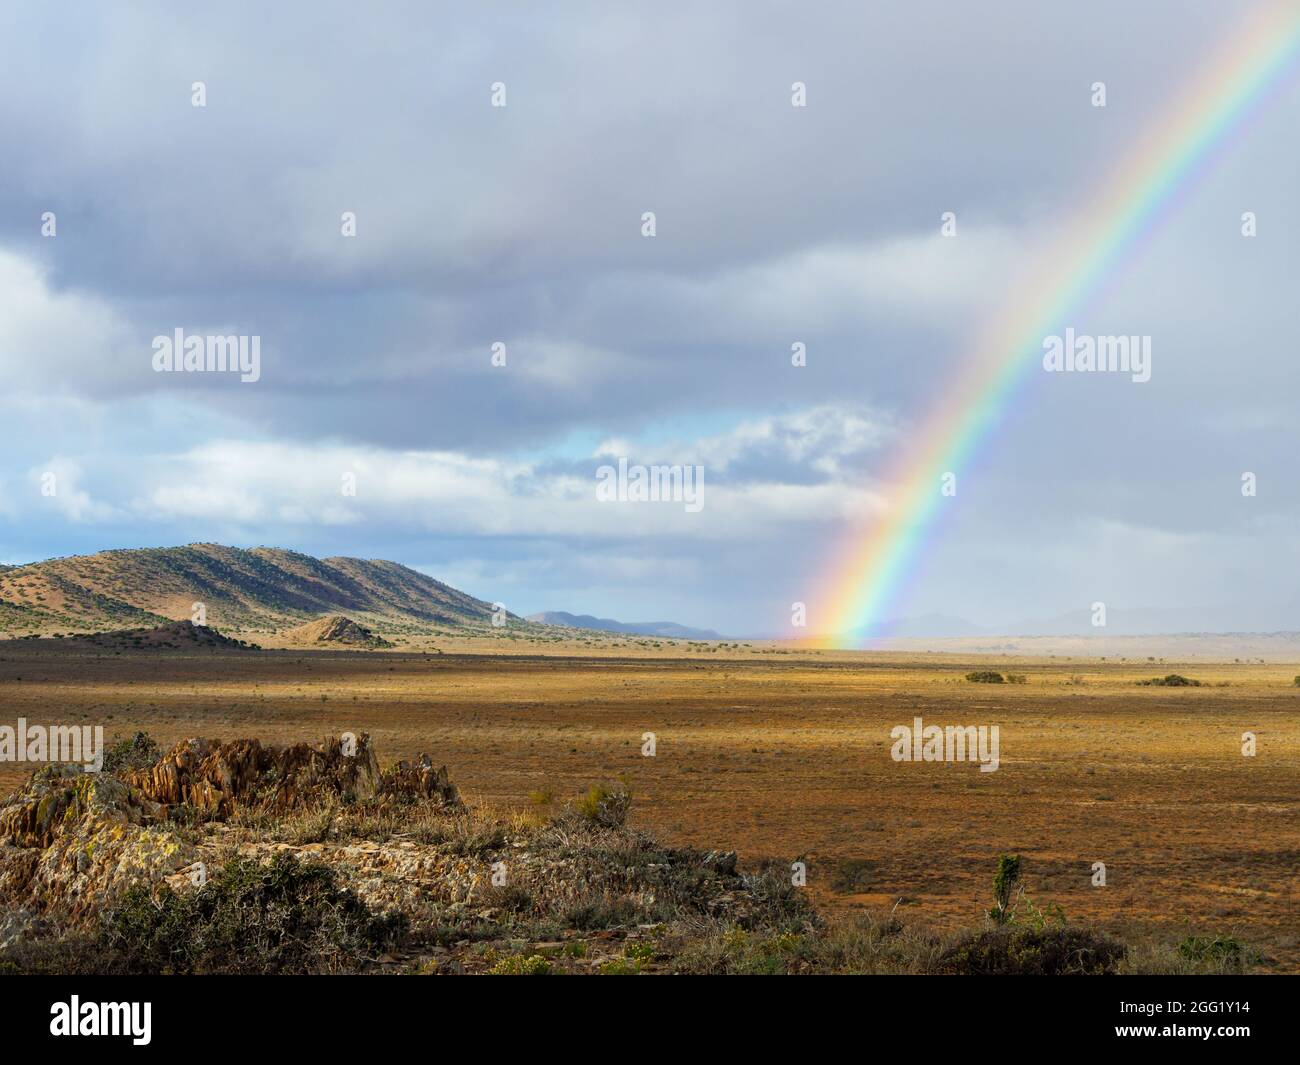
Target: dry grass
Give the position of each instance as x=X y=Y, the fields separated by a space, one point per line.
x=786 y=756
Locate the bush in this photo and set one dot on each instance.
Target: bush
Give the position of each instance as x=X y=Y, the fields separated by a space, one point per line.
x=605 y=806
x=283 y=917
x=589 y=914
x=1172 y=680
x=139 y=752
x=737 y=951
x=519 y=965
x=620 y=967
x=985 y=676
x=1004 y=886
x=511 y=898
x=1218 y=949
x=1017 y=678
x=853 y=876
x=639 y=952
x=1034 y=952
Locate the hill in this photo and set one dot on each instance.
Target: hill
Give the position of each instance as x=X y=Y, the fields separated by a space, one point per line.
x=336 y=628
x=174 y=636
x=665 y=629
x=262 y=588
x=170 y=636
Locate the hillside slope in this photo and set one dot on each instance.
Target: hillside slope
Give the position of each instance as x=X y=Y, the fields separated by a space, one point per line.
x=259 y=588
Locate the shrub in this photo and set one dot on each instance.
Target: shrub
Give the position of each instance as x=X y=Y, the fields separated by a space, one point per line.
x=1034 y=952
x=639 y=952
x=985 y=676
x=1172 y=680
x=605 y=806
x=620 y=967
x=511 y=898
x=767 y=952
x=777 y=903
x=853 y=876
x=589 y=914
x=1017 y=678
x=283 y=917
x=139 y=752
x=469 y=838
x=519 y=965
x=310 y=826
x=1218 y=949
x=1004 y=886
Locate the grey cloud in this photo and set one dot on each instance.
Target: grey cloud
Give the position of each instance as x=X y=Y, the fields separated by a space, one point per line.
x=521 y=225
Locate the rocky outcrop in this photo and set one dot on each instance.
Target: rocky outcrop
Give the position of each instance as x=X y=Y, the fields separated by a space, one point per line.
x=70 y=841
x=214 y=777
x=419 y=781
x=58 y=796
x=336 y=629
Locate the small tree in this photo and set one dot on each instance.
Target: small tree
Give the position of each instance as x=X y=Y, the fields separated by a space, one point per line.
x=1005 y=881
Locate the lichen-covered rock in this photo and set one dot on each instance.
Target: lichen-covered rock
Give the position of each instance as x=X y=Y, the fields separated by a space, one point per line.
x=72 y=840
x=58 y=796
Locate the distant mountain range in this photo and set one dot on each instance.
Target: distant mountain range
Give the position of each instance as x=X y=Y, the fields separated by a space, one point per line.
x=261 y=588
x=271 y=589
x=665 y=629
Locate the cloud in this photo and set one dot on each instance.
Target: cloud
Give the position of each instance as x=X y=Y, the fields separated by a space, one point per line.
x=253 y=484
x=776 y=225
x=54 y=341
x=57 y=485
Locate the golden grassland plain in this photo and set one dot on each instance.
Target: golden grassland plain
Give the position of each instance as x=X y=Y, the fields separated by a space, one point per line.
x=783 y=752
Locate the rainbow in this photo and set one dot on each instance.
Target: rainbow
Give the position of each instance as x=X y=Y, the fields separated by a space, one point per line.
x=865 y=582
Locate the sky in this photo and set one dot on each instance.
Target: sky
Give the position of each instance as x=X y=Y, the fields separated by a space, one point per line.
x=523 y=225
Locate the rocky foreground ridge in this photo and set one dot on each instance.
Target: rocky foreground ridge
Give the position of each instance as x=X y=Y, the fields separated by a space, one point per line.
x=78 y=850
